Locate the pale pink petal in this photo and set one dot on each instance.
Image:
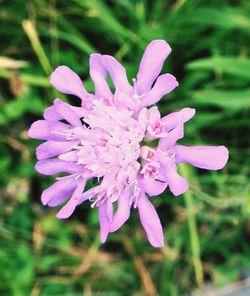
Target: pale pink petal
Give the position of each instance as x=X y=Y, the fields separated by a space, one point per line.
x=58 y=192
x=55 y=166
x=123 y=211
x=174 y=119
x=152 y=186
x=204 y=157
x=124 y=99
x=53 y=148
x=48 y=130
x=81 y=112
x=68 y=82
x=151 y=64
x=50 y=113
x=163 y=85
x=170 y=139
x=150 y=221
x=71 y=156
x=117 y=73
x=153 y=114
x=67 y=112
x=98 y=75
x=105 y=218
x=68 y=209
x=142 y=120
x=89 y=193
x=177 y=184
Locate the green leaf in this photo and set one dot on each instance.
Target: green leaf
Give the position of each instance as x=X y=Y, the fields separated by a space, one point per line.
x=234 y=100
x=237 y=66
x=227 y=18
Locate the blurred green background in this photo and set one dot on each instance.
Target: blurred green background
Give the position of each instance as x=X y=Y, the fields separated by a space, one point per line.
x=207 y=230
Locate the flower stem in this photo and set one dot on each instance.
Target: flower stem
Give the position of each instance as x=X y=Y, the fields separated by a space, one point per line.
x=192 y=227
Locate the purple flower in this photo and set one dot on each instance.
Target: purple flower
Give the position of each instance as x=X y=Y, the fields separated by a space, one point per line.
x=107 y=139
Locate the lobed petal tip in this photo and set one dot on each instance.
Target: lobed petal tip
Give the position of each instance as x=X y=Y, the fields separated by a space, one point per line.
x=106 y=58
x=95 y=55
x=159 y=244
x=29 y=132
x=103 y=240
x=188 y=113
x=66 y=211
x=224 y=156
x=170 y=79
x=38 y=167
x=34 y=130
x=61 y=216
x=178 y=185
x=162 y=43
x=57 y=101
x=103 y=236
x=67 y=81
x=44 y=199
x=58 y=70
x=109 y=62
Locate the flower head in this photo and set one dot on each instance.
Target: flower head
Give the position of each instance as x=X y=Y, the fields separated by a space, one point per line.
x=107 y=139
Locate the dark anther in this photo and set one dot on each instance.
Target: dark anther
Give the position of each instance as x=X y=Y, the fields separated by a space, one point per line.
x=83 y=122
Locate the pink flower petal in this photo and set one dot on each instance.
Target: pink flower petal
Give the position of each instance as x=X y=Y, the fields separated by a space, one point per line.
x=124 y=99
x=48 y=130
x=204 y=157
x=174 y=119
x=123 y=211
x=71 y=156
x=67 y=210
x=150 y=221
x=89 y=193
x=105 y=212
x=53 y=148
x=163 y=85
x=55 y=166
x=68 y=82
x=98 y=75
x=153 y=114
x=117 y=73
x=171 y=138
x=151 y=64
x=177 y=184
x=152 y=186
x=58 y=192
x=81 y=112
x=67 y=112
x=50 y=113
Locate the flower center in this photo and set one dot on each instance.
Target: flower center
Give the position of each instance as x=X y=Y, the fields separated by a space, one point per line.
x=109 y=145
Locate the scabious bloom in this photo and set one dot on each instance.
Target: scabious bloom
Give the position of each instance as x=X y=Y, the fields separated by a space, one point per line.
x=108 y=138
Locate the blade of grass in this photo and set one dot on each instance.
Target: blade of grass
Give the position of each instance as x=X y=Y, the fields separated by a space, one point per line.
x=8 y=63
x=237 y=66
x=192 y=227
x=26 y=78
x=31 y=32
x=217 y=202
x=108 y=19
x=228 y=99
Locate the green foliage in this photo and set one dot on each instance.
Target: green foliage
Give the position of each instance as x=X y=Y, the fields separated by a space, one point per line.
x=207 y=230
